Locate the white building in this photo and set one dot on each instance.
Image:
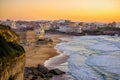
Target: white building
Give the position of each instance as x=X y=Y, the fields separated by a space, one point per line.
x=70 y=29
x=40 y=31
x=118 y=24
x=45 y=25
x=13 y=25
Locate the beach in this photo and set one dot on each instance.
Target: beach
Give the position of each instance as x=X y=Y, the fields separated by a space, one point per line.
x=39 y=54
x=47 y=55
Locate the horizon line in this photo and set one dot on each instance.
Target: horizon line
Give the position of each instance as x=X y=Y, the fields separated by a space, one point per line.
x=56 y=19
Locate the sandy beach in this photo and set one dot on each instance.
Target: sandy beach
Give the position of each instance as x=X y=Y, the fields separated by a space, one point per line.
x=48 y=56
x=39 y=54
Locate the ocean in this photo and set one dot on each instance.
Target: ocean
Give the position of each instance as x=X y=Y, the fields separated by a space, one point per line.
x=91 y=57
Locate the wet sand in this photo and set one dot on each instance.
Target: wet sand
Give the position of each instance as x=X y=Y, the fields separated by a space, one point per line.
x=56 y=61
x=60 y=62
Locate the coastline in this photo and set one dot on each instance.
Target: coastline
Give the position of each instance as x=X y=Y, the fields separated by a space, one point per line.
x=59 y=61
x=44 y=53
x=39 y=54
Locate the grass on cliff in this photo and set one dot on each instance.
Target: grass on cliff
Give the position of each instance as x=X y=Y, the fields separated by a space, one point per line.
x=9 y=50
x=4 y=26
x=9 y=46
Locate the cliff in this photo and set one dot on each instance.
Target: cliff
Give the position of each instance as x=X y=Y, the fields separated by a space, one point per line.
x=14 y=70
x=12 y=57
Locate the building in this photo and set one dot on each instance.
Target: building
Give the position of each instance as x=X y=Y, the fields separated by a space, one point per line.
x=13 y=25
x=30 y=36
x=90 y=26
x=45 y=25
x=37 y=31
x=40 y=31
x=118 y=24
x=8 y=22
x=70 y=28
x=21 y=32
x=26 y=36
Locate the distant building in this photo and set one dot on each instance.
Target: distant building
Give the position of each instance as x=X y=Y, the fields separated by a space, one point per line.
x=30 y=36
x=113 y=24
x=37 y=31
x=8 y=22
x=45 y=25
x=118 y=24
x=90 y=26
x=40 y=31
x=111 y=32
x=13 y=25
x=70 y=28
x=26 y=36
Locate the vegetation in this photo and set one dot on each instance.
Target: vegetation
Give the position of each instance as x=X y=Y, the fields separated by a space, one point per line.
x=8 y=34
x=9 y=50
x=9 y=47
x=4 y=26
x=109 y=29
x=101 y=30
x=92 y=31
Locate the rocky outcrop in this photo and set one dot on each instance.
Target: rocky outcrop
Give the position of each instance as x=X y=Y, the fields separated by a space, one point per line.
x=8 y=34
x=12 y=55
x=41 y=73
x=14 y=69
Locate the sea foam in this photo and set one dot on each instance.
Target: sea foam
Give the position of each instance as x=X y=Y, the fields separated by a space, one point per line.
x=92 y=57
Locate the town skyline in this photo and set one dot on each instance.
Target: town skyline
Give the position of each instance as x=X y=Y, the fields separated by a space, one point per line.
x=75 y=10
x=44 y=20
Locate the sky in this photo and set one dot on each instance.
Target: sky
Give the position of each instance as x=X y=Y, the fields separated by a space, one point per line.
x=76 y=10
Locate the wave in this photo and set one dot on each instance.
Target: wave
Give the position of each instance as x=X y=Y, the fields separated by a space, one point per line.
x=92 y=57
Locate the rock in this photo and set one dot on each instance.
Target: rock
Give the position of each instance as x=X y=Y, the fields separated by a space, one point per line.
x=28 y=70
x=41 y=72
x=49 y=75
x=56 y=72
x=42 y=69
x=34 y=78
x=34 y=71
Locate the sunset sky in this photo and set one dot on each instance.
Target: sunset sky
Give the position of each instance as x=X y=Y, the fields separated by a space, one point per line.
x=76 y=10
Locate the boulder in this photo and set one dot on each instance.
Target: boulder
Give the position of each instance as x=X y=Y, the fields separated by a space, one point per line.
x=56 y=72
x=42 y=69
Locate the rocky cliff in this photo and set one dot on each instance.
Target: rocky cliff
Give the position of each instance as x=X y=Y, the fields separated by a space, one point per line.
x=14 y=70
x=12 y=57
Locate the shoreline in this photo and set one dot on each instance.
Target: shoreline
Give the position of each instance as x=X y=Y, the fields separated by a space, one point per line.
x=39 y=54
x=59 y=61
x=43 y=53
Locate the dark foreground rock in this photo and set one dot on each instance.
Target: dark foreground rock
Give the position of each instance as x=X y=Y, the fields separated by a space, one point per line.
x=56 y=72
x=40 y=73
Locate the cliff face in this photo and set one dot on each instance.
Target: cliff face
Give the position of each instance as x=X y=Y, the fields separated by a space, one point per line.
x=14 y=70
x=12 y=55
x=8 y=34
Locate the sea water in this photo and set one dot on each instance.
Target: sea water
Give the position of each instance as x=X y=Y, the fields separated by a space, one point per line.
x=92 y=57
